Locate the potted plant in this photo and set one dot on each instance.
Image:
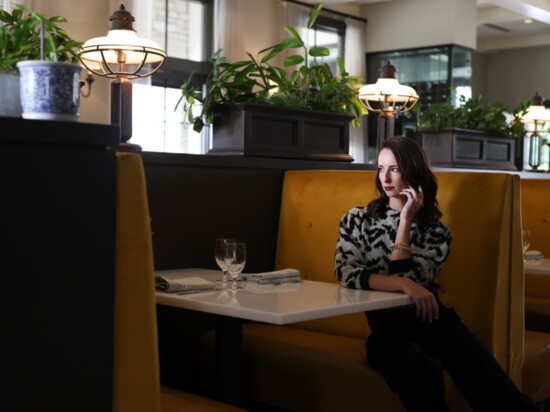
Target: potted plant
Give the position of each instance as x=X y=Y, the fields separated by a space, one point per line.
x=244 y=100
x=474 y=134
x=27 y=38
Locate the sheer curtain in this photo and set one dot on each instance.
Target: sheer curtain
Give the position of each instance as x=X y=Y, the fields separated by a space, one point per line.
x=354 y=58
x=228 y=28
x=40 y=6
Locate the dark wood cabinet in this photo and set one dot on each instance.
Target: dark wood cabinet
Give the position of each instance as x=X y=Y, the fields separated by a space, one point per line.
x=280 y=132
x=471 y=149
x=57 y=198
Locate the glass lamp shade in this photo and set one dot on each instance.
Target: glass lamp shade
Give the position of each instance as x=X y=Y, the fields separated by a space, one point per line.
x=536 y=121
x=536 y=118
x=122 y=53
x=392 y=96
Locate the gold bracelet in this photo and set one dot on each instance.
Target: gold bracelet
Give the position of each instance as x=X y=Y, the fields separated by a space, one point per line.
x=401 y=246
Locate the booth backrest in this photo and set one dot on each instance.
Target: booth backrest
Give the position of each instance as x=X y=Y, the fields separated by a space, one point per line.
x=136 y=385
x=535 y=205
x=535 y=198
x=483 y=278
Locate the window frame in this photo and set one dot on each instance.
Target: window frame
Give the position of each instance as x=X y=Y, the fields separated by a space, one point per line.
x=175 y=71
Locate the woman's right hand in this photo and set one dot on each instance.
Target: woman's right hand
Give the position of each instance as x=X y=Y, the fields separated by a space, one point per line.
x=415 y=201
x=426 y=304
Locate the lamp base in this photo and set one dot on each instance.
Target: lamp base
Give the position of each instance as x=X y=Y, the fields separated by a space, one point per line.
x=386 y=123
x=121 y=107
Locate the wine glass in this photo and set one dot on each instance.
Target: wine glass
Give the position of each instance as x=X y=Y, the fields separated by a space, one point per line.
x=221 y=252
x=526 y=239
x=236 y=260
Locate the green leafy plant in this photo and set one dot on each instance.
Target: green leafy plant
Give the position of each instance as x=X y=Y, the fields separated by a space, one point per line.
x=20 y=39
x=309 y=86
x=475 y=115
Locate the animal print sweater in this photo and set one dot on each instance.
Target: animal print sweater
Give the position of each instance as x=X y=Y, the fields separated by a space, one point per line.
x=364 y=247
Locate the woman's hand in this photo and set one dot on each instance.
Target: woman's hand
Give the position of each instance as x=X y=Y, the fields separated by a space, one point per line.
x=426 y=305
x=415 y=201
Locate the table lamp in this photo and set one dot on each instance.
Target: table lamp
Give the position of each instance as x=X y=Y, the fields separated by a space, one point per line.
x=387 y=97
x=536 y=122
x=122 y=56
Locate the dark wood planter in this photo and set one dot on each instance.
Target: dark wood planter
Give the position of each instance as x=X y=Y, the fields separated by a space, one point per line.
x=268 y=131
x=471 y=149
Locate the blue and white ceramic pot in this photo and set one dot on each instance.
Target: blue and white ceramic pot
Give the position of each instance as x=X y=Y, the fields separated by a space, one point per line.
x=49 y=90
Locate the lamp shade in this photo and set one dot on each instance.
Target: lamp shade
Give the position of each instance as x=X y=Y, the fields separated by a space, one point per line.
x=537 y=116
x=122 y=52
x=122 y=56
x=536 y=121
x=536 y=110
x=390 y=95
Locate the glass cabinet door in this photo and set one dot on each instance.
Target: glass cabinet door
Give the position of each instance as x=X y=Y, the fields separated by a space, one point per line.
x=436 y=73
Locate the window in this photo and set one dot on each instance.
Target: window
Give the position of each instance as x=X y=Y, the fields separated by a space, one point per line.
x=328 y=33
x=183 y=28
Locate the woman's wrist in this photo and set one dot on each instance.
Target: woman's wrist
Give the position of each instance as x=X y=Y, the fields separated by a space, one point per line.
x=404 y=246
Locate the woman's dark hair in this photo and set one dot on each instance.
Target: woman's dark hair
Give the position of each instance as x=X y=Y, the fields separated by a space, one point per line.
x=415 y=171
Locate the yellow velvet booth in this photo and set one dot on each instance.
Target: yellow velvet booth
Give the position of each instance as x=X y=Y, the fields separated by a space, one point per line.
x=535 y=214
x=316 y=365
x=136 y=386
x=535 y=206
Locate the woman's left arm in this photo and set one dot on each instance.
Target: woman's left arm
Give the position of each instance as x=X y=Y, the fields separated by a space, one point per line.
x=429 y=252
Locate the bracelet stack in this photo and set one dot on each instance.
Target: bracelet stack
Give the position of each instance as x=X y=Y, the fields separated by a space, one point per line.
x=401 y=246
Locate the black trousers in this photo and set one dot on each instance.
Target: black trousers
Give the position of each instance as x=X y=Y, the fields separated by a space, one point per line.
x=412 y=356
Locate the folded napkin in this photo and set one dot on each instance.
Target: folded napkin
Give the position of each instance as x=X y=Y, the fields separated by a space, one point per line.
x=533 y=255
x=282 y=276
x=167 y=284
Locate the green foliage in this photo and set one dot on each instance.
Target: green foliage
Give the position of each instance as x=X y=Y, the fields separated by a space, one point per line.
x=255 y=80
x=473 y=114
x=20 y=39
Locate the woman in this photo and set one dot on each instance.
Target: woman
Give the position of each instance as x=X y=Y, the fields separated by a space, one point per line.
x=398 y=243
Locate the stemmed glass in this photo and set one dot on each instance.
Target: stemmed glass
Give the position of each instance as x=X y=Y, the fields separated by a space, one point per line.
x=526 y=239
x=236 y=260
x=222 y=254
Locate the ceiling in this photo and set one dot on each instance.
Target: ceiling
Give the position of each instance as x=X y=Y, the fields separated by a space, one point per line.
x=498 y=19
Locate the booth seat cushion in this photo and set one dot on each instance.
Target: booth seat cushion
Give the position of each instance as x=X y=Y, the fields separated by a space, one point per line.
x=299 y=370
x=173 y=400
x=536 y=367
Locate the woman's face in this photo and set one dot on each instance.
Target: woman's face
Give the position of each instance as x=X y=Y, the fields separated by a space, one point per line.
x=390 y=174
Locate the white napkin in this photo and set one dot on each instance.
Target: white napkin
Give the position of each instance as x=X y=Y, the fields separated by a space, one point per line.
x=533 y=255
x=166 y=284
x=283 y=276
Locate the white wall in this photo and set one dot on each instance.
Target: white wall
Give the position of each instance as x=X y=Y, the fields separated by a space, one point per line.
x=87 y=19
x=419 y=23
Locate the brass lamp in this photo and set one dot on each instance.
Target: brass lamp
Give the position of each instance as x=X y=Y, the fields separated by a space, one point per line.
x=122 y=56
x=387 y=97
x=536 y=122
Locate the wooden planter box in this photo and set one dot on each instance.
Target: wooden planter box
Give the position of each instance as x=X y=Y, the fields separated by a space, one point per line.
x=268 y=131
x=471 y=149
